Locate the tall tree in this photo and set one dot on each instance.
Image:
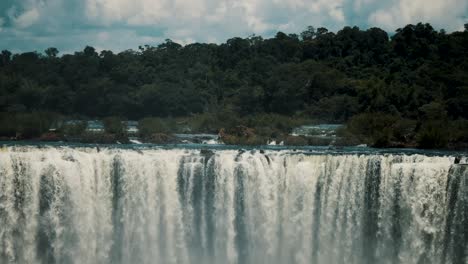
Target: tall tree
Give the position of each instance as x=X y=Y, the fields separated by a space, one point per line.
x=51 y=52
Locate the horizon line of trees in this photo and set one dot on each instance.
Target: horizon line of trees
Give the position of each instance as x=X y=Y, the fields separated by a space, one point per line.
x=417 y=74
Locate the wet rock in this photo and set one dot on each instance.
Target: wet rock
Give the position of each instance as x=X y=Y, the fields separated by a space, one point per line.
x=50 y=136
x=161 y=138
x=206 y=152
x=241 y=135
x=296 y=141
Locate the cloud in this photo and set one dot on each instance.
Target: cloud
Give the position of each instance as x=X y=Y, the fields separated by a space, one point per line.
x=72 y=24
x=27 y=18
x=448 y=14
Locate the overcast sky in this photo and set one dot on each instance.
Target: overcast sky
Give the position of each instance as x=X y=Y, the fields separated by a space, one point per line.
x=70 y=25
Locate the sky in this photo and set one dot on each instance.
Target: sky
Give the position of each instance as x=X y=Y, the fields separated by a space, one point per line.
x=117 y=25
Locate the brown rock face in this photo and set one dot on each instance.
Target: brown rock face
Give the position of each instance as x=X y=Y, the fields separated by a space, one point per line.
x=50 y=136
x=240 y=135
x=161 y=138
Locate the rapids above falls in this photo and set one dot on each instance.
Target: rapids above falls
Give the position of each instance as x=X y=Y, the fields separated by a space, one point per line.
x=84 y=205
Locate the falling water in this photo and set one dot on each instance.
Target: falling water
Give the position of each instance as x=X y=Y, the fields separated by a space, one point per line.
x=81 y=205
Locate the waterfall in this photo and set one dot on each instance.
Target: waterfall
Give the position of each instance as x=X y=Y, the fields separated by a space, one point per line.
x=85 y=205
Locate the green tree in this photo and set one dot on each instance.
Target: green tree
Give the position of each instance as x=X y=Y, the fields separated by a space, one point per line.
x=5 y=57
x=89 y=51
x=51 y=52
x=114 y=125
x=73 y=128
x=151 y=125
x=309 y=33
x=418 y=76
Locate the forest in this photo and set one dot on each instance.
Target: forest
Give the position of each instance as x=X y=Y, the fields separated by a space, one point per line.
x=407 y=88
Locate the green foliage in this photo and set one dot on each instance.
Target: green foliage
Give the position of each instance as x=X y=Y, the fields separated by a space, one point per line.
x=152 y=125
x=206 y=122
x=73 y=129
x=416 y=75
x=51 y=52
x=114 y=125
x=26 y=125
x=458 y=132
x=8 y=126
x=273 y=125
x=433 y=111
x=337 y=108
x=432 y=135
x=372 y=128
x=381 y=130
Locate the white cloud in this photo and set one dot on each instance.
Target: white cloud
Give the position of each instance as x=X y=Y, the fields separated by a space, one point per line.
x=95 y=22
x=27 y=18
x=360 y=4
x=137 y=12
x=337 y=14
x=441 y=13
x=223 y=18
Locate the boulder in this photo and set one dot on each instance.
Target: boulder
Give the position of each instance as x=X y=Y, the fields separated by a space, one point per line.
x=50 y=136
x=240 y=135
x=161 y=138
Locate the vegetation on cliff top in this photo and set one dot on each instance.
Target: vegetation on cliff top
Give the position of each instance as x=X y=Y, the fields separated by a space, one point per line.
x=410 y=89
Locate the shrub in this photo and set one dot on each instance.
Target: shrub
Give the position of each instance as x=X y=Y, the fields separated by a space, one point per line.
x=458 y=131
x=432 y=135
x=26 y=125
x=380 y=130
x=152 y=125
x=114 y=125
x=74 y=129
x=7 y=125
x=372 y=128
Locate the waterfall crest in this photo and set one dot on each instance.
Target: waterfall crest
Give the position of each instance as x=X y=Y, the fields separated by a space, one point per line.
x=82 y=205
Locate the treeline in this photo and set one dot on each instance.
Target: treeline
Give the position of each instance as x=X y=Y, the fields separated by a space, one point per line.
x=407 y=89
